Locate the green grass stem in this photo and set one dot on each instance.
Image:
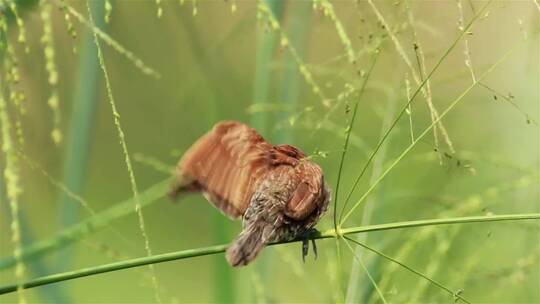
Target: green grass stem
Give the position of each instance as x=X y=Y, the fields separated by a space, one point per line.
x=404 y=109
x=420 y=136
x=190 y=253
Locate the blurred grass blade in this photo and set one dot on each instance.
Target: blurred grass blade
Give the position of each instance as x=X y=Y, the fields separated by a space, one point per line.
x=266 y=49
x=78 y=231
x=80 y=134
x=48 y=294
x=224 y=281
x=300 y=24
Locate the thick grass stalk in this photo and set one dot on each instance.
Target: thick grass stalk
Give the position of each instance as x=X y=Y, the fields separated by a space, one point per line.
x=191 y=253
x=417 y=139
x=224 y=281
x=80 y=135
x=404 y=109
x=267 y=41
x=299 y=26
x=266 y=49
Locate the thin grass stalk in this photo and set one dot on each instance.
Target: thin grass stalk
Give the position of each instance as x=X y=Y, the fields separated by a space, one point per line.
x=352 y=288
x=440 y=117
x=420 y=59
x=196 y=252
x=127 y=157
x=454 y=294
x=78 y=231
x=265 y=12
x=115 y=45
x=444 y=243
x=80 y=135
x=404 y=109
x=466 y=206
x=341 y=296
x=359 y=261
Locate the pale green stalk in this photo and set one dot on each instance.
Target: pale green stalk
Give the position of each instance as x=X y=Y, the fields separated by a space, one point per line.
x=443 y=114
x=404 y=109
x=352 y=288
x=267 y=41
x=127 y=157
x=454 y=294
x=359 y=261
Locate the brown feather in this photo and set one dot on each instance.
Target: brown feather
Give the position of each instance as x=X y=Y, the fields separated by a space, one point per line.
x=277 y=190
x=227 y=162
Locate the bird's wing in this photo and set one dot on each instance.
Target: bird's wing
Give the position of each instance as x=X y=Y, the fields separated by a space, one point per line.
x=227 y=162
x=303 y=200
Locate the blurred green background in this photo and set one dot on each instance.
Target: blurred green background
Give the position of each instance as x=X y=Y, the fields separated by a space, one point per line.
x=224 y=60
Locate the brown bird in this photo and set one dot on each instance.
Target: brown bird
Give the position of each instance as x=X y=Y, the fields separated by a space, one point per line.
x=279 y=193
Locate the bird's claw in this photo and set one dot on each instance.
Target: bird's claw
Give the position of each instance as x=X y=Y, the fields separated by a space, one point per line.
x=309 y=235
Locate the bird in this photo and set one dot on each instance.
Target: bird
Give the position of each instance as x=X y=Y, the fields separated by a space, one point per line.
x=279 y=193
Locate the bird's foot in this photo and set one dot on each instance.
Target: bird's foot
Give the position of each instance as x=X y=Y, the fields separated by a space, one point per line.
x=309 y=234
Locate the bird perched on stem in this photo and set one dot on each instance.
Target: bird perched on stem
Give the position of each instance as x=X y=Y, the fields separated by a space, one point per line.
x=279 y=193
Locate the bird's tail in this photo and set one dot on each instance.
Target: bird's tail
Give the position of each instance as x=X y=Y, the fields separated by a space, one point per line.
x=249 y=243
